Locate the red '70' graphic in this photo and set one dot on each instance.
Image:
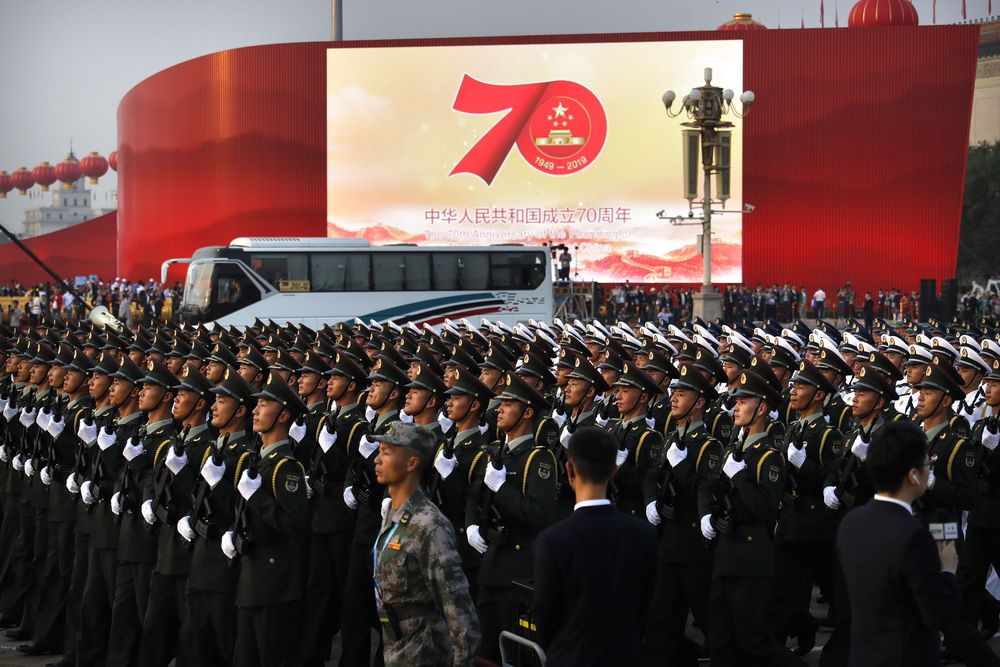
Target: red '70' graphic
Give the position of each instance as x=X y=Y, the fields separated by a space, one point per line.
x=559 y=126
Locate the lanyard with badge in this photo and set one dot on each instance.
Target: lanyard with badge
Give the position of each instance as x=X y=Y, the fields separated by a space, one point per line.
x=386 y=616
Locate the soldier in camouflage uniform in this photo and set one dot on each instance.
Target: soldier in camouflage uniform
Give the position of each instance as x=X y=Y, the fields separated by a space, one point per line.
x=421 y=593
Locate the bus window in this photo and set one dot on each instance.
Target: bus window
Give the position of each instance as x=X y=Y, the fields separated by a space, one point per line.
x=275 y=268
x=446 y=270
x=339 y=272
x=401 y=271
x=473 y=270
x=516 y=270
x=387 y=271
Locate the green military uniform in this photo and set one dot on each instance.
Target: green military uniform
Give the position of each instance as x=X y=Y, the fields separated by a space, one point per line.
x=422 y=589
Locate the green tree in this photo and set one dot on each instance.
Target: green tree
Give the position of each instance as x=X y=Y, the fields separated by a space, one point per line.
x=979 y=240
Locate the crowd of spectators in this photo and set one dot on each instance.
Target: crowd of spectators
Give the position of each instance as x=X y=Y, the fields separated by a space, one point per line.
x=134 y=303
x=782 y=302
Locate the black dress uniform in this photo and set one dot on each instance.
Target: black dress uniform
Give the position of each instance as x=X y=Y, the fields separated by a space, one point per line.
x=100 y=465
x=744 y=562
x=331 y=521
x=57 y=571
x=641 y=443
x=358 y=617
x=510 y=519
x=468 y=448
x=684 y=566
x=171 y=492
x=273 y=524
x=137 y=542
x=982 y=538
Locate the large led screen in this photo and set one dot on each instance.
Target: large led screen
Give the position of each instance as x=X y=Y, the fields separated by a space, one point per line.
x=566 y=144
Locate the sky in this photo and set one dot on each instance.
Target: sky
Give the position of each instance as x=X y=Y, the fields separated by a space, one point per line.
x=69 y=63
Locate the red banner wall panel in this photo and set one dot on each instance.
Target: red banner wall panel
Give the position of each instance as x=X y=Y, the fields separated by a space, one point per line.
x=81 y=250
x=854 y=154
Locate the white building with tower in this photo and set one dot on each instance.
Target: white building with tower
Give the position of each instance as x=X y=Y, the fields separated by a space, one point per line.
x=69 y=207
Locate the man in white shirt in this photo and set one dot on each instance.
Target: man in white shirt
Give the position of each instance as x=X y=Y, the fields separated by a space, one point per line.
x=819 y=303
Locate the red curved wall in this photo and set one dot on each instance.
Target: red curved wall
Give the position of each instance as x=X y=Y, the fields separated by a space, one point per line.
x=81 y=250
x=854 y=155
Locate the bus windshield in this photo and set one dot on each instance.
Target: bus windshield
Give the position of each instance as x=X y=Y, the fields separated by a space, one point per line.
x=215 y=290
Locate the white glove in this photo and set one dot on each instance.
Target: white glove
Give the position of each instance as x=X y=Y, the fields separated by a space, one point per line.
x=184 y=528
x=475 y=540
x=87 y=493
x=87 y=431
x=860 y=448
x=405 y=418
x=559 y=417
x=564 y=437
x=131 y=450
x=248 y=485
x=621 y=456
x=56 y=427
x=116 y=503
x=773 y=415
x=707 y=530
x=445 y=423
x=732 y=466
x=212 y=473
x=386 y=504
x=228 y=547
x=601 y=421
x=27 y=417
x=106 y=438
x=796 y=456
x=990 y=439
x=174 y=462
x=349 y=499
x=652 y=515
x=370 y=413
x=327 y=439
x=45 y=476
x=147 y=512
x=675 y=455
x=445 y=465
x=495 y=478
x=309 y=489
x=44 y=418
x=483 y=428
x=4 y=403
x=4 y=456
x=830 y=497
x=17 y=463
x=71 y=484
x=29 y=467
x=367 y=447
x=930 y=478
x=297 y=431
x=650 y=422
x=8 y=412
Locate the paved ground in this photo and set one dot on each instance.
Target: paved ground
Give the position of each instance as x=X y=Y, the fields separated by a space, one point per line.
x=9 y=657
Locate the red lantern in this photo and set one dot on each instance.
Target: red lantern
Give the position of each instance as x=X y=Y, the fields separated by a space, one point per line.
x=93 y=166
x=5 y=184
x=113 y=160
x=22 y=180
x=878 y=13
x=68 y=171
x=742 y=21
x=45 y=175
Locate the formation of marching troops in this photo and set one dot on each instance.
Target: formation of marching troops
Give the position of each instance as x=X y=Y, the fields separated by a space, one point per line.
x=210 y=496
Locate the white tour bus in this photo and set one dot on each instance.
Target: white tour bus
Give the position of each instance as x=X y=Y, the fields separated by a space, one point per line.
x=322 y=280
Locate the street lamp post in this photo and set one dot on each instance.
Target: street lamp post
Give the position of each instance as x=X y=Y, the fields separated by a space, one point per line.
x=706 y=107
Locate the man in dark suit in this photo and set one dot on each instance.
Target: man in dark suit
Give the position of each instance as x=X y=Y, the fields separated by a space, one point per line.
x=901 y=585
x=593 y=571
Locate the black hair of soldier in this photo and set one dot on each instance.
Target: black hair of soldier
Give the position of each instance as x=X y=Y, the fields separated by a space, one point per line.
x=896 y=449
x=592 y=451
